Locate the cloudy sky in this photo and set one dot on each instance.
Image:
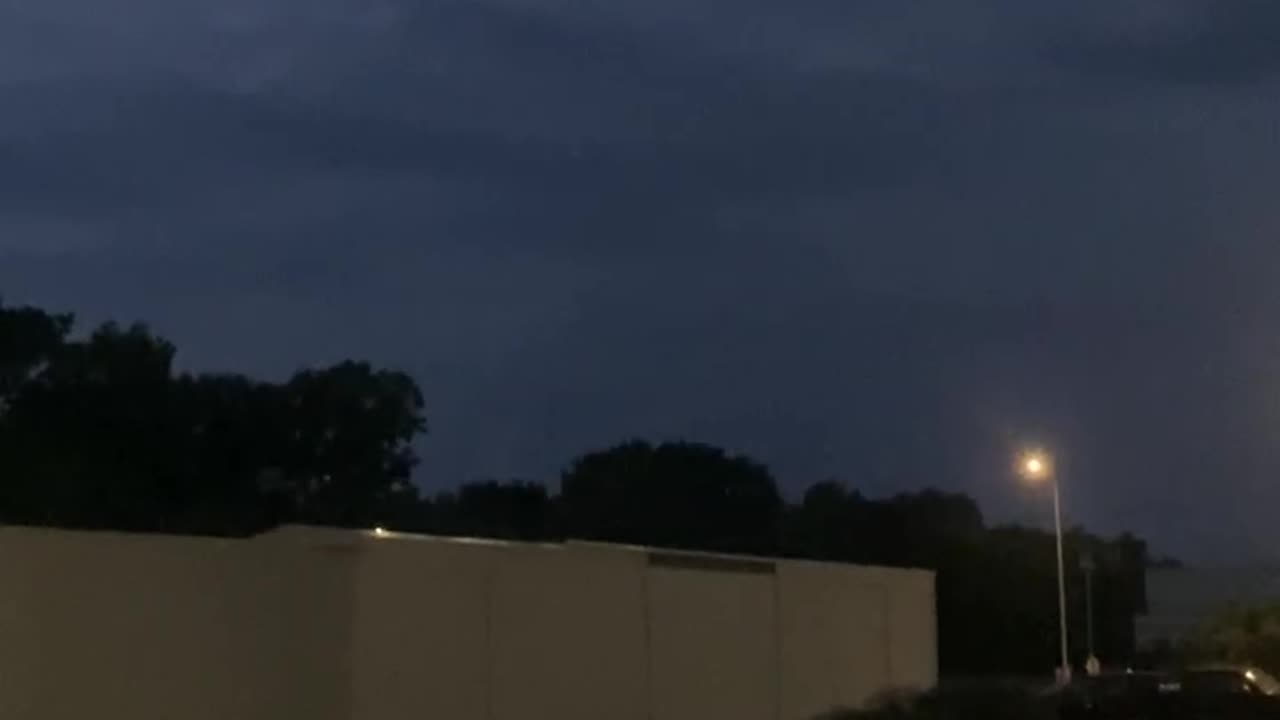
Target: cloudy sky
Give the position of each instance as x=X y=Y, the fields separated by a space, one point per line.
x=876 y=240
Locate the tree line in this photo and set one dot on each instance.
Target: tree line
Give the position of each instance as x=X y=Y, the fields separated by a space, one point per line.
x=99 y=431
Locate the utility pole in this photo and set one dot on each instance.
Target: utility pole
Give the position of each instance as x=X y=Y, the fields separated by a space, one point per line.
x=1062 y=585
x=1092 y=665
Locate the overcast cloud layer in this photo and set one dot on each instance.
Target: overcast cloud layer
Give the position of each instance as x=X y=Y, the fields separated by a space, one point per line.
x=881 y=241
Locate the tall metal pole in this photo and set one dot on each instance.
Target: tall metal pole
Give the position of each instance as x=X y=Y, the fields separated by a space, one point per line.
x=1062 y=584
x=1088 y=602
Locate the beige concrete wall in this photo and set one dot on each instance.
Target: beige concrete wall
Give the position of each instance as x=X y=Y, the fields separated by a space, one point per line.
x=338 y=625
x=489 y=630
x=913 y=635
x=422 y=630
x=106 y=625
x=569 y=635
x=124 y=624
x=295 y=594
x=835 y=633
x=714 y=644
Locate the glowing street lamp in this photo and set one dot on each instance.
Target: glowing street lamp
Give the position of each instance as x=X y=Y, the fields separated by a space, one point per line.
x=1037 y=467
x=1034 y=466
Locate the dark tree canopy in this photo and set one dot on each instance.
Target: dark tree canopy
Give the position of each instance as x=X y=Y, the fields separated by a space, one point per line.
x=348 y=448
x=674 y=494
x=99 y=432
x=515 y=510
x=28 y=339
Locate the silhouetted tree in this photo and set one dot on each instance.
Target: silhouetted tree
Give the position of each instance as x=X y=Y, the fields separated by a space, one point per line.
x=229 y=438
x=349 y=449
x=515 y=510
x=84 y=438
x=834 y=522
x=29 y=337
x=676 y=495
x=99 y=433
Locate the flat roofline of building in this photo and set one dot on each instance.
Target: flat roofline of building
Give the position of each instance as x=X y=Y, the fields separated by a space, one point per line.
x=380 y=535
x=353 y=536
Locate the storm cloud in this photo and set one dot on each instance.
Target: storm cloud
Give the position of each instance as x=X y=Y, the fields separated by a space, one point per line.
x=880 y=241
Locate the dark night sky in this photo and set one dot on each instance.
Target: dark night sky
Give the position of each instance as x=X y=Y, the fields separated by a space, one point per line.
x=880 y=240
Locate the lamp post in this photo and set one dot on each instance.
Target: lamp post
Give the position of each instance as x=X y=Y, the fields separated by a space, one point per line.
x=1038 y=467
x=1088 y=565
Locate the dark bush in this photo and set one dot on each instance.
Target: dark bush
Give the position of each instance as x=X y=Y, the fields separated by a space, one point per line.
x=968 y=703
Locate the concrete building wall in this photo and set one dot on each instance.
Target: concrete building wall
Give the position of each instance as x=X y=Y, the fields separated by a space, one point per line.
x=713 y=641
x=125 y=623
x=338 y=625
x=295 y=594
x=913 y=630
x=849 y=634
x=113 y=625
x=569 y=634
x=812 y=679
x=422 y=631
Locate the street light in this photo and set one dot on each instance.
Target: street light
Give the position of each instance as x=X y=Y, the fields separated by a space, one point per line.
x=1037 y=467
x=1088 y=566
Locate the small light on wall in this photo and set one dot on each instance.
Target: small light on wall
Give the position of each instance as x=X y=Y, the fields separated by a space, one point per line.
x=380 y=531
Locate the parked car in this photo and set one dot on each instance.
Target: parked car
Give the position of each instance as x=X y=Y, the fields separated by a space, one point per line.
x=1220 y=692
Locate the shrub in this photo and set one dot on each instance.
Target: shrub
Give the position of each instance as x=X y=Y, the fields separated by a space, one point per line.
x=968 y=703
